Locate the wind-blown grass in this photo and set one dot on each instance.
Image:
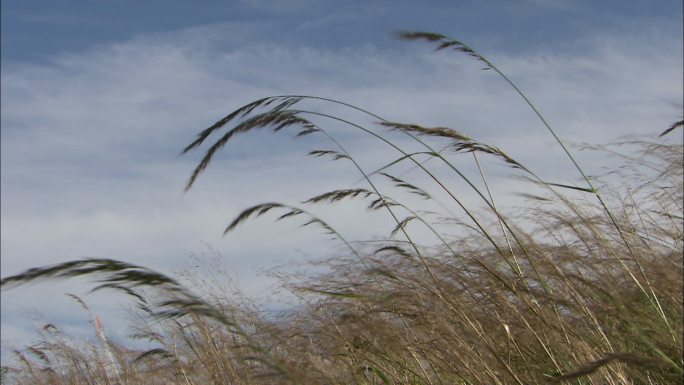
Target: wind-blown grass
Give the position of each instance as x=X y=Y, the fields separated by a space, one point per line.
x=591 y=293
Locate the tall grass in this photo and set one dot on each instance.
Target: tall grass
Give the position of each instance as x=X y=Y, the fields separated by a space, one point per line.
x=583 y=286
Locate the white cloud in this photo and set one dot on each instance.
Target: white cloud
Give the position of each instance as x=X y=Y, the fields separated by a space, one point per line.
x=90 y=141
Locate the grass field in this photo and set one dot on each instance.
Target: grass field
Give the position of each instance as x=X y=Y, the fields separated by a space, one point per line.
x=582 y=285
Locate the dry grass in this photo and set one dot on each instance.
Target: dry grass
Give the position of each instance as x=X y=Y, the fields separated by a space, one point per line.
x=591 y=294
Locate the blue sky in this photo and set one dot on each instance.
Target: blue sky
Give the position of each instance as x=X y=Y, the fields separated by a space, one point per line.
x=98 y=99
x=35 y=30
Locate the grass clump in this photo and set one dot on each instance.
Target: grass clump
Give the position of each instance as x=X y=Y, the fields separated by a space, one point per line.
x=583 y=286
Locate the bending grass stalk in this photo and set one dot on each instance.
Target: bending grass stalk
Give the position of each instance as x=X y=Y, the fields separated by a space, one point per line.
x=301 y=111
x=367 y=178
x=470 y=322
x=462 y=47
x=406 y=155
x=282 y=116
x=287 y=117
x=445 y=43
x=423 y=261
x=440 y=132
x=652 y=298
x=116 y=274
x=263 y=208
x=289 y=101
x=389 y=209
x=414 y=215
x=491 y=199
x=434 y=153
x=501 y=223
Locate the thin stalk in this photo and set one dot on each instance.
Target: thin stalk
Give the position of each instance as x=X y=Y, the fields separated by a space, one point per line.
x=652 y=298
x=389 y=209
x=491 y=198
x=470 y=215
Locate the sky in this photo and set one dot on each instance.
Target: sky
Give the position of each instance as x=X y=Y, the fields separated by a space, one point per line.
x=99 y=98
